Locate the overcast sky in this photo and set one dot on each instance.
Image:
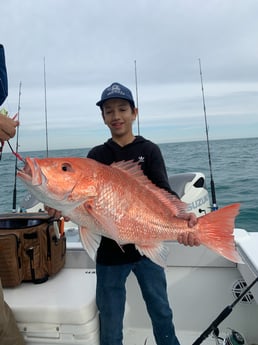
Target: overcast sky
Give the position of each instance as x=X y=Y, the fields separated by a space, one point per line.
x=87 y=45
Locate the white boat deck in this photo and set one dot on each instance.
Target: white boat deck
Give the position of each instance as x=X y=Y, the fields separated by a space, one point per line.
x=62 y=311
x=137 y=336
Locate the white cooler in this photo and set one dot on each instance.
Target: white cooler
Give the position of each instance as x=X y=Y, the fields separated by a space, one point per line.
x=59 y=311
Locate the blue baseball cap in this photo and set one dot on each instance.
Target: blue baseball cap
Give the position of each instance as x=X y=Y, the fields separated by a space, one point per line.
x=116 y=90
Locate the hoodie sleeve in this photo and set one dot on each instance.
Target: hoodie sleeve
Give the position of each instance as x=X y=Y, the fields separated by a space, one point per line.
x=3 y=76
x=155 y=168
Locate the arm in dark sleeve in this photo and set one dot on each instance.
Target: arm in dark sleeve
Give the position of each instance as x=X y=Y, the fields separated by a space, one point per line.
x=156 y=171
x=3 y=76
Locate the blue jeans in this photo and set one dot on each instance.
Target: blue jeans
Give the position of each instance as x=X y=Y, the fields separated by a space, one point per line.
x=111 y=296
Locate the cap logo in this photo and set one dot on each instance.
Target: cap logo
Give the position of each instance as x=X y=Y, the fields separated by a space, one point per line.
x=115 y=89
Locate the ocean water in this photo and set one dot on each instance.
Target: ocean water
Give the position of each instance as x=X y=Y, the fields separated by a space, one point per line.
x=234 y=168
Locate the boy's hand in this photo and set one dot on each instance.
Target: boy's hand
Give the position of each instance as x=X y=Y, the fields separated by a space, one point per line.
x=189 y=238
x=55 y=213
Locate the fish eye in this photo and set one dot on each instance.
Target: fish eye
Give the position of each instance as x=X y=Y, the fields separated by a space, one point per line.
x=66 y=167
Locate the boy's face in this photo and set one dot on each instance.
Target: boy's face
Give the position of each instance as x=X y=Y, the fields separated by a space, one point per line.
x=119 y=116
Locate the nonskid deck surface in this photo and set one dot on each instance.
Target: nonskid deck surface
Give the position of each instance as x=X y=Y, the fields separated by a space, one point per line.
x=139 y=336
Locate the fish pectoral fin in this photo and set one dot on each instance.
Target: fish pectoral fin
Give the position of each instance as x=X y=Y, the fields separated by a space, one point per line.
x=90 y=241
x=157 y=252
x=106 y=223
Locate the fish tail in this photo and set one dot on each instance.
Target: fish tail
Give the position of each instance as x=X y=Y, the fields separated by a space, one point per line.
x=216 y=231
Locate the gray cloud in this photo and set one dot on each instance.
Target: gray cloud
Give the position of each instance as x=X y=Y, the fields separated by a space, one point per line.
x=87 y=45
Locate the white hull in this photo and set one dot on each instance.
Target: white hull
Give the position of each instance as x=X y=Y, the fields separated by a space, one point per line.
x=200 y=283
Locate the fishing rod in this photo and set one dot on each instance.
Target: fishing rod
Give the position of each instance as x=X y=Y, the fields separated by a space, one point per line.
x=45 y=92
x=16 y=156
x=225 y=312
x=213 y=193
x=3 y=87
x=136 y=87
x=29 y=200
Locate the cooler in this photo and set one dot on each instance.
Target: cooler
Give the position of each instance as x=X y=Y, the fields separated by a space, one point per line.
x=59 y=311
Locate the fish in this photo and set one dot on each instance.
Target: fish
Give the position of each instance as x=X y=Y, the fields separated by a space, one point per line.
x=119 y=202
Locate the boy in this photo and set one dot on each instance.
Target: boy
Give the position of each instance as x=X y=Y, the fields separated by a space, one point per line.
x=112 y=264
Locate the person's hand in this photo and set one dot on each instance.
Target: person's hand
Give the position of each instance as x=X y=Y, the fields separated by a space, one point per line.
x=189 y=238
x=191 y=219
x=7 y=127
x=55 y=213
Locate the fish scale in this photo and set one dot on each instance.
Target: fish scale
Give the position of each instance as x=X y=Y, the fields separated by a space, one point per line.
x=134 y=217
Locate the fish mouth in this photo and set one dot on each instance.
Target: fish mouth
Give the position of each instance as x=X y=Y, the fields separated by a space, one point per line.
x=31 y=173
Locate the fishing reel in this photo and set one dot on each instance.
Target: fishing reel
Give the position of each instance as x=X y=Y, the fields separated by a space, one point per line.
x=235 y=338
x=232 y=338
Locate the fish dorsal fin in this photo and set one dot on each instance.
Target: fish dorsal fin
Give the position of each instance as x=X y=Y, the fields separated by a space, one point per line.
x=175 y=205
x=131 y=167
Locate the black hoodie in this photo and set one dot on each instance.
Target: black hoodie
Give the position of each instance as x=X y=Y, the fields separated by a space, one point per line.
x=152 y=163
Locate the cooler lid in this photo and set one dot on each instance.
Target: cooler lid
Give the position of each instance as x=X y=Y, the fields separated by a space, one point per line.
x=66 y=298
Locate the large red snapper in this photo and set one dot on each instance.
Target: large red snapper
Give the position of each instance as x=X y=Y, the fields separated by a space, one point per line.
x=119 y=202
